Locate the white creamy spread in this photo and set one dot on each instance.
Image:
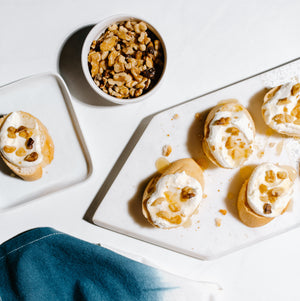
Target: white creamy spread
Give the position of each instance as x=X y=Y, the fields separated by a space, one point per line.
x=272 y=107
x=15 y=120
x=172 y=185
x=218 y=134
x=258 y=197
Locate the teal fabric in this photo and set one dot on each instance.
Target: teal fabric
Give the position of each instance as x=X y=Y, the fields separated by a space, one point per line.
x=45 y=264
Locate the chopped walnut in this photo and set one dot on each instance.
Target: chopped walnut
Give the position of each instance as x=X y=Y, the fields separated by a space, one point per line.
x=263 y=188
x=222 y=121
x=230 y=143
x=270 y=176
x=274 y=193
x=174 y=207
x=9 y=149
x=158 y=201
x=29 y=143
x=31 y=157
x=296 y=112
x=11 y=132
x=129 y=48
x=295 y=89
x=283 y=101
x=264 y=198
x=167 y=216
x=283 y=118
x=272 y=92
x=187 y=193
x=20 y=152
x=267 y=208
x=233 y=130
x=281 y=175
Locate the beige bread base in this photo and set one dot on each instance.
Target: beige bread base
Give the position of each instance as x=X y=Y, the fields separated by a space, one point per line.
x=246 y=214
x=267 y=97
x=35 y=172
x=188 y=165
x=209 y=118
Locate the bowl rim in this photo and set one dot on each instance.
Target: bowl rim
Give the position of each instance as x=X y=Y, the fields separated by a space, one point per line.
x=95 y=33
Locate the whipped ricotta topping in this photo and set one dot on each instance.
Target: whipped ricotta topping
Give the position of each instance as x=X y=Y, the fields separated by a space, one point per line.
x=270 y=188
x=283 y=103
x=13 y=147
x=238 y=118
x=167 y=205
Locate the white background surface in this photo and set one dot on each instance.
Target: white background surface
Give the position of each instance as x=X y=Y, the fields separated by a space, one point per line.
x=210 y=44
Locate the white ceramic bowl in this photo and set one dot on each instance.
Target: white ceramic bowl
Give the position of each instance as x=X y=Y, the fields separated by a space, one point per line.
x=94 y=34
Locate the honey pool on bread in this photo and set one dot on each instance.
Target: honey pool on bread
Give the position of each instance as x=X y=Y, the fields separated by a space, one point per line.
x=281 y=109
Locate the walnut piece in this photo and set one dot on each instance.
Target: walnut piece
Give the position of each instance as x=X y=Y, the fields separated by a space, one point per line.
x=295 y=89
x=222 y=121
x=187 y=193
x=31 y=157
x=9 y=149
x=20 y=152
x=270 y=176
x=267 y=208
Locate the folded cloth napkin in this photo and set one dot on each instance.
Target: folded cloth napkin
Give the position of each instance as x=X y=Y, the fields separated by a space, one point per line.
x=45 y=264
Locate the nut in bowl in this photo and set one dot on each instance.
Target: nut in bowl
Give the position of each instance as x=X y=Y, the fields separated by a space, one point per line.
x=124 y=59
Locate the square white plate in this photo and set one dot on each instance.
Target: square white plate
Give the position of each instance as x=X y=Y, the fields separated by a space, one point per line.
x=46 y=97
x=120 y=209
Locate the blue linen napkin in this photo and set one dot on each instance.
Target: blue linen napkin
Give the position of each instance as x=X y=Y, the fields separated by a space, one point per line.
x=45 y=264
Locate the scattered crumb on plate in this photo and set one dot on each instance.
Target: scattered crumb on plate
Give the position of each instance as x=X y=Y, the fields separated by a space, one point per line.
x=175 y=116
x=223 y=211
x=218 y=221
x=166 y=150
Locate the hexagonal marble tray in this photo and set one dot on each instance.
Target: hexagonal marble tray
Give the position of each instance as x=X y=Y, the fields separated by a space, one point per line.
x=181 y=128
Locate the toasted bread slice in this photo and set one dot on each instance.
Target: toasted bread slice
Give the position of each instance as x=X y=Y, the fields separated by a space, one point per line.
x=35 y=172
x=226 y=106
x=246 y=214
x=189 y=166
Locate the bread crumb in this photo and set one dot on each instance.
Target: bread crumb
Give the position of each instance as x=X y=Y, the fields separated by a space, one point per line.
x=175 y=116
x=166 y=150
x=271 y=144
x=218 y=222
x=204 y=196
x=223 y=211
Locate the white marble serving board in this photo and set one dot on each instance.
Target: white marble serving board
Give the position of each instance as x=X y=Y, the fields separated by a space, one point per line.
x=120 y=209
x=45 y=96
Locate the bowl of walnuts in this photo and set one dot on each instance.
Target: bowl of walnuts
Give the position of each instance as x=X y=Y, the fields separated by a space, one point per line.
x=124 y=59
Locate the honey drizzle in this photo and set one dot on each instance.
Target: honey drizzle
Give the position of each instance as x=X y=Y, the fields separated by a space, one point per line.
x=161 y=163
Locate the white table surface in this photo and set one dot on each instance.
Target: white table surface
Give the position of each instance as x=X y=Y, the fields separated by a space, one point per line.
x=210 y=44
